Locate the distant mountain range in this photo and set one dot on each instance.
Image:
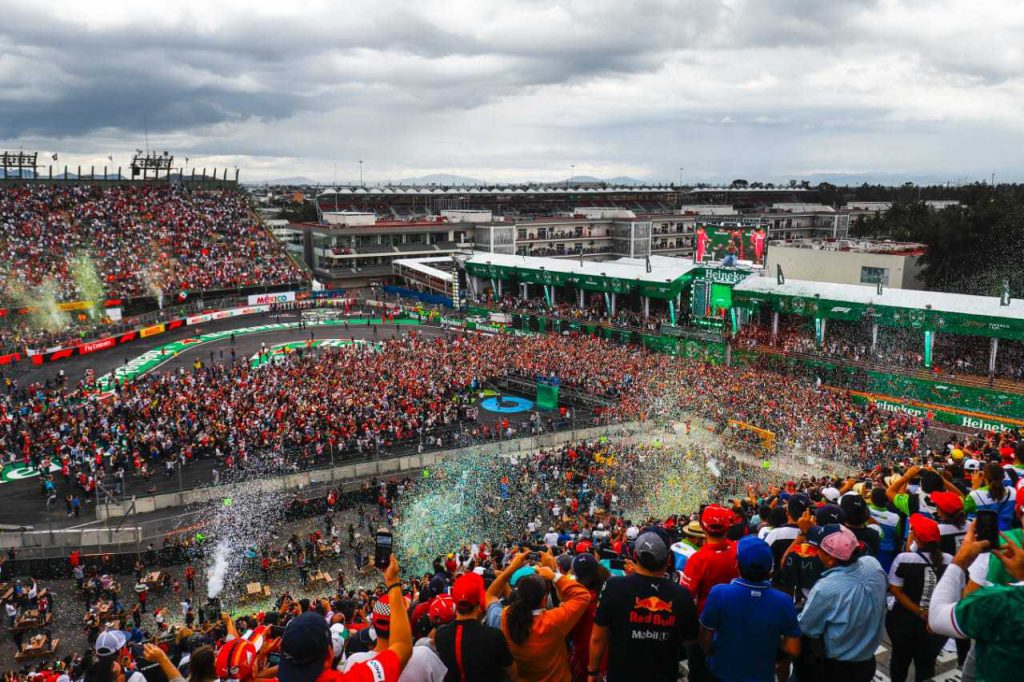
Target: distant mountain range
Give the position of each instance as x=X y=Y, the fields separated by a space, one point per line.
x=298 y=181
x=449 y=180
x=591 y=180
x=29 y=175
x=441 y=179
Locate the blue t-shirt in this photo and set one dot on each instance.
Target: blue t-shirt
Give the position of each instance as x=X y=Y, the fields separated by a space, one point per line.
x=748 y=619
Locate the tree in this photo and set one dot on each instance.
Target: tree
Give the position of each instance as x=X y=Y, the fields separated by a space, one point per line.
x=829 y=194
x=739 y=184
x=971 y=248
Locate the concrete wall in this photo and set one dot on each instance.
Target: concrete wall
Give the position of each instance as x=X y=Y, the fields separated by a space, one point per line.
x=71 y=539
x=842 y=267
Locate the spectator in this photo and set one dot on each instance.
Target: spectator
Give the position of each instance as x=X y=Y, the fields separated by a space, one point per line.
x=992 y=616
x=536 y=634
x=713 y=564
x=912 y=580
x=844 y=608
x=745 y=622
x=643 y=619
x=471 y=651
x=591 y=575
x=888 y=523
x=423 y=666
x=307 y=651
x=992 y=496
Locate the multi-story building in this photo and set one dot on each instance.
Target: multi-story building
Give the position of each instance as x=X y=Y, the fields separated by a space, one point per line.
x=358 y=255
x=364 y=230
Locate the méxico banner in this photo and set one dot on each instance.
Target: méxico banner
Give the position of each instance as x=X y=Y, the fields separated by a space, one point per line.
x=266 y=299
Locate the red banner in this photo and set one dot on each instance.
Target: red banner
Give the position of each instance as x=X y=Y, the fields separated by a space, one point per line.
x=94 y=346
x=99 y=345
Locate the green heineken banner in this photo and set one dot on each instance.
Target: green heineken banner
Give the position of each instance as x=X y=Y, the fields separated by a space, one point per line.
x=937 y=413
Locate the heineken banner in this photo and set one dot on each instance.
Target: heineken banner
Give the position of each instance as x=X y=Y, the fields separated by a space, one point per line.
x=946 y=415
x=587 y=282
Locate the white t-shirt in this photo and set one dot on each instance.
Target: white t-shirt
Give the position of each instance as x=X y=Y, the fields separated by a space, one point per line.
x=423 y=666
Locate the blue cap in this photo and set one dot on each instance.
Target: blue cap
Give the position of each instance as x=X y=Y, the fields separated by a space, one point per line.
x=584 y=565
x=520 y=574
x=754 y=554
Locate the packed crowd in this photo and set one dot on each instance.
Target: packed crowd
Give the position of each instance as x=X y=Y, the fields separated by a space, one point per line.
x=595 y=311
x=313 y=405
x=800 y=578
x=139 y=239
x=951 y=355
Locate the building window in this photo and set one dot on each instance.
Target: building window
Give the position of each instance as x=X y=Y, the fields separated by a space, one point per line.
x=869 y=275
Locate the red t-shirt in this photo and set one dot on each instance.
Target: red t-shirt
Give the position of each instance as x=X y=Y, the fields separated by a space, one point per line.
x=384 y=667
x=711 y=565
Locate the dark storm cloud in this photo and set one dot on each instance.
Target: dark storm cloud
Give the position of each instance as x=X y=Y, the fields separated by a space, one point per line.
x=627 y=87
x=272 y=68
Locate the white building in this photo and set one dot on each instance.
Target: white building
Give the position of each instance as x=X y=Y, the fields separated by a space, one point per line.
x=895 y=264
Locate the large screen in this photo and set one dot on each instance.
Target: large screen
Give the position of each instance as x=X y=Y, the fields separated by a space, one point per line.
x=716 y=243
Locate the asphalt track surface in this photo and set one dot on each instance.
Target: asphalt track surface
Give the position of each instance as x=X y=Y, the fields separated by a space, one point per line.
x=22 y=502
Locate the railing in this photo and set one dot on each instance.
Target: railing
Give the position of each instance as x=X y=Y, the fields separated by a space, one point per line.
x=975 y=381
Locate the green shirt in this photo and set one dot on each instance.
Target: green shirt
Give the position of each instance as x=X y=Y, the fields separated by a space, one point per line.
x=994 y=616
x=997 y=573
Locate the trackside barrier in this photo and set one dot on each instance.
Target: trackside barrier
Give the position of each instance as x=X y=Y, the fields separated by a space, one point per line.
x=380 y=467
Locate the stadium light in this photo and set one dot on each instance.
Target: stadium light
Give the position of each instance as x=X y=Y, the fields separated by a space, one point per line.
x=19 y=162
x=153 y=162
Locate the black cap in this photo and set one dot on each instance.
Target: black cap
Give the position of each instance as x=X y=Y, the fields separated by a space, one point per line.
x=798 y=503
x=829 y=513
x=855 y=508
x=652 y=547
x=304 y=647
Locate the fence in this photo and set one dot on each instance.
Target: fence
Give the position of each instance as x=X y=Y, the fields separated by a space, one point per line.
x=125 y=544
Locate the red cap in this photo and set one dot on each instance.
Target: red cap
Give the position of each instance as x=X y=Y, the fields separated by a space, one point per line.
x=442 y=609
x=926 y=531
x=947 y=502
x=382 y=612
x=235 y=660
x=716 y=518
x=468 y=590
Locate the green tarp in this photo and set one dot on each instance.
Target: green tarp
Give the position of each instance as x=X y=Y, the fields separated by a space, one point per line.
x=587 y=282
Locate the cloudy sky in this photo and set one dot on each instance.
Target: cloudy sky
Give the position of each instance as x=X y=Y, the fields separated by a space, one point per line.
x=523 y=89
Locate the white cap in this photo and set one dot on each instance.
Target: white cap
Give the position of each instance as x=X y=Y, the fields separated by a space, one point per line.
x=831 y=494
x=110 y=642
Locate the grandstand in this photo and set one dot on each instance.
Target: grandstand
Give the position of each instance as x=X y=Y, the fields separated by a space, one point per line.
x=139 y=238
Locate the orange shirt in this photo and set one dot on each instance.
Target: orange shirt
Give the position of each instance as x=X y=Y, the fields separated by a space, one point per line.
x=544 y=657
